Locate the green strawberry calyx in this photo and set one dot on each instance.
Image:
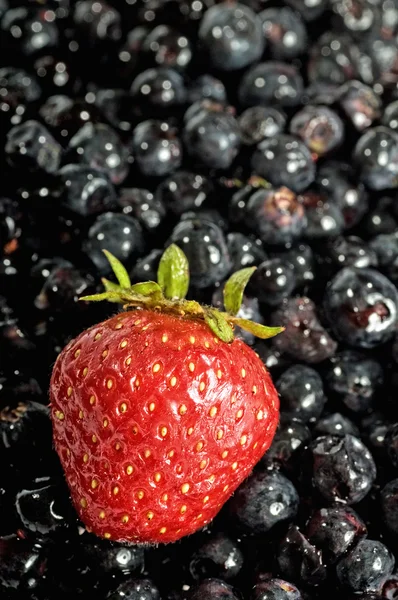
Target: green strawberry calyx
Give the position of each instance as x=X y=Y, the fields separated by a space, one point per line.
x=169 y=292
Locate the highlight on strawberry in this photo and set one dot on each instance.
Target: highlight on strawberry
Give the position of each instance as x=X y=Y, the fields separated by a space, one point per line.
x=159 y=413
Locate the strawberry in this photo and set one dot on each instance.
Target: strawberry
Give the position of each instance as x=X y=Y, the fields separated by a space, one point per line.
x=158 y=412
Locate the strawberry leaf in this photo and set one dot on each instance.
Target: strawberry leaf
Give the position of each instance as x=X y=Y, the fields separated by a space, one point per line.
x=234 y=288
x=260 y=331
x=173 y=273
x=120 y=272
x=219 y=325
x=110 y=296
x=110 y=286
x=147 y=288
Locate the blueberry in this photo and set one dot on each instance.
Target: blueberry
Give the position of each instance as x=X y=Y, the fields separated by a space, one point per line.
x=336 y=424
x=320 y=128
x=144 y=206
x=276 y=216
x=30 y=146
x=298 y=560
x=351 y=251
x=389 y=505
x=86 y=191
x=184 y=191
x=18 y=88
x=381 y=219
x=63 y=288
x=309 y=10
x=343 y=468
x=290 y=440
x=301 y=392
x=285 y=32
x=264 y=500
x=97 y=21
x=204 y=244
x=324 y=218
x=354 y=379
x=375 y=428
x=333 y=58
x=211 y=136
x=146 y=268
x=301 y=260
x=218 y=557
x=100 y=147
x=386 y=248
x=232 y=36
x=244 y=251
x=160 y=88
x=391 y=443
x=304 y=337
x=206 y=87
x=376 y=156
x=271 y=83
x=360 y=103
x=65 y=116
x=119 y=234
x=156 y=148
x=213 y=589
x=284 y=161
x=29 y=30
x=275 y=589
x=23 y=564
x=259 y=122
x=167 y=48
x=361 y=307
x=135 y=589
x=272 y=281
x=390 y=116
x=365 y=567
x=334 y=530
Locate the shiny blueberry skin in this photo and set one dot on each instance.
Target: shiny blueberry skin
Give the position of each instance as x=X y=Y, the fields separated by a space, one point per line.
x=320 y=128
x=156 y=148
x=218 y=557
x=262 y=501
x=27 y=30
x=167 y=48
x=389 y=505
x=284 y=160
x=354 y=379
x=360 y=103
x=271 y=83
x=304 y=337
x=146 y=268
x=390 y=116
x=31 y=146
x=206 y=86
x=213 y=589
x=285 y=32
x=272 y=281
x=160 y=88
x=85 y=190
x=309 y=10
x=376 y=157
x=231 y=35
x=23 y=564
x=204 y=244
x=301 y=259
x=65 y=116
x=336 y=424
x=334 y=530
x=391 y=443
x=298 y=560
x=244 y=251
x=386 y=248
x=333 y=59
x=343 y=468
x=275 y=589
x=365 y=567
x=259 y=122
x=98 y=22
x=290 y=440
x=361 y=307
x=301 y=392
x=381 y=219
x=135 y=589
x=142 y=205
x=351 y=251
x=324 y=217
x=184 y=191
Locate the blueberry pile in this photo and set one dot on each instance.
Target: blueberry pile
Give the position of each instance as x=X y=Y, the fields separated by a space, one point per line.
x=256 y=133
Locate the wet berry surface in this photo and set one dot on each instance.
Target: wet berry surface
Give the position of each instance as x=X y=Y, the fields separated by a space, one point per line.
x=261 y=133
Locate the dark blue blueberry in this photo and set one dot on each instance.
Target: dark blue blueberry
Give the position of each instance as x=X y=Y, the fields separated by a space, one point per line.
x=375 y=427
x=304 y=338
x=249 y=310
x=341 y=184
x=354 y=379
x=213 y=589
x=324 y=217
x=365 y=567
x=275 y=215
x=334 y=530
x=333 y=58
x=301 y=392
x=65 y=116
x=335 y=424
x=382 y=218
x=18 y=89
x=301 y=260
x=218 y=557
x=271 y=83
x=244 y=251
x=391 y=443
x=298 y=560
x=142 y=205
x=135 y=589
x=206 y=87
x=231 y=35
x=100 y=147
x=389 y=505
x=160 y=88
x=290 y=440
x=285 y=32
x=351 y=251
x=63 y=288
x=284 y=161
x=361 y=306
x=360 y=103
x=22 y=565
x=167 y=47
x=320 y=128
x=130 y=53
x=211 y=135
x=386 y=248
x=86 y=191
x=275 y=589
x=309 y=10
x=146 y=268
x=265 y=499
x=343 y=468
x=272 y=281
x=29 y=30
x=115 y=106
x=390 y=116
x=55 y=74
x=98 y=22
x=376 y=157
x=184 y=191
x=156 y=148
x=31 y=147
x=119 y=234
x=204 y=244
x=259 y=122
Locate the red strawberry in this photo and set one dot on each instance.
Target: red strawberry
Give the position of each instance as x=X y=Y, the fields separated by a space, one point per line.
x=156 y=419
